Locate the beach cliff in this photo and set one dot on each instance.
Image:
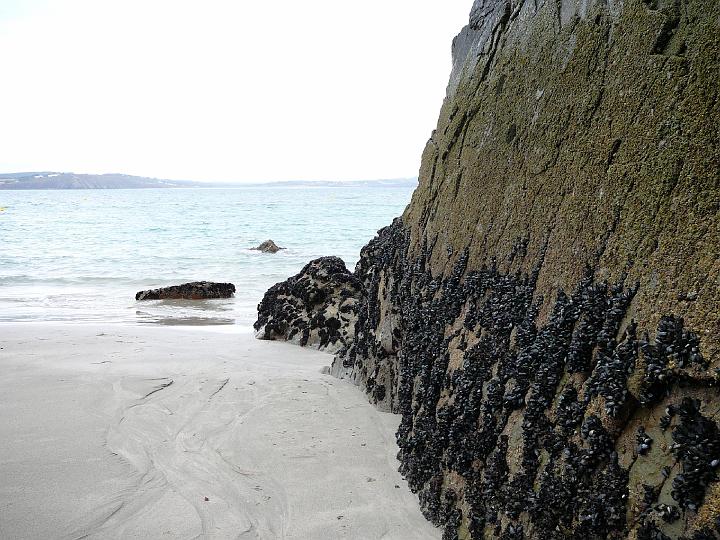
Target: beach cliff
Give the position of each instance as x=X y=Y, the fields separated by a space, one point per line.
x=545 y=315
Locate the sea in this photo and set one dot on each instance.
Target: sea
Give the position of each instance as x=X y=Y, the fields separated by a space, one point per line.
x=79 y=256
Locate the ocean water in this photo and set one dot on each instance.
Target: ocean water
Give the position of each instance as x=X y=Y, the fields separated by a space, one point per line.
x=81 y=255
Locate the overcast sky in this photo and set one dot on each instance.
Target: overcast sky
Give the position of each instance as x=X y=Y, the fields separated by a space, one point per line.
x=232 y=90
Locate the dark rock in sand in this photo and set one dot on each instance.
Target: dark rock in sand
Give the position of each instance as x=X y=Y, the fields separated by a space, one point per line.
x=268 y=246
x=315 y=308
x=197 y=290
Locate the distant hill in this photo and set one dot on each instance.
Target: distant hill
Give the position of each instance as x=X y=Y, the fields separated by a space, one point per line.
x=55 y=180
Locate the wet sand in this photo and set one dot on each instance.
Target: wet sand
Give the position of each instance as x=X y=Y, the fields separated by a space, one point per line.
x=135 y=432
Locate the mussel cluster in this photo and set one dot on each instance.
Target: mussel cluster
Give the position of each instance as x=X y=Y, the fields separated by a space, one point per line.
x=319 y=302
x=697 y=446
x=530 y=415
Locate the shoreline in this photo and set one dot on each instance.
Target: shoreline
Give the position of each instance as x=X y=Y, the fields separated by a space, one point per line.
x=119 y=431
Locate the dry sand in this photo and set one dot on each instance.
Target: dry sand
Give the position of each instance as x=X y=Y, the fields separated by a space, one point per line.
x=132 y=432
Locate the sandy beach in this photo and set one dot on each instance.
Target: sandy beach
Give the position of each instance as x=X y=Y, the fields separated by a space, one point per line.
x=156 y=432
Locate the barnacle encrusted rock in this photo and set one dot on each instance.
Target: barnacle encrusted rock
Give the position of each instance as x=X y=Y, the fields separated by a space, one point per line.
x=512 y=422
x=315 y=308
x=545 y=315
x=197 y=290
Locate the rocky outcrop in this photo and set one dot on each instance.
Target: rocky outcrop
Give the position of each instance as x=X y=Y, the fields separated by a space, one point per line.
x=315 y=308
x=545 y=315
x=580 y=423
x=268 y=246
x=197 y=290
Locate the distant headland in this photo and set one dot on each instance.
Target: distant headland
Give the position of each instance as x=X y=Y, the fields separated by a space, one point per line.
x=69 y=180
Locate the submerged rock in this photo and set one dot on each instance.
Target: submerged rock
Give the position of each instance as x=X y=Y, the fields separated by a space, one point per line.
x=268 y=246
x=316 y=308
x=197 y=290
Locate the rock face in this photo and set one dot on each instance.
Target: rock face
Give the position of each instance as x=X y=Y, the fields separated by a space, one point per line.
x=545 y=315
x=197 y=290
x=268 y=246
x=315 y=308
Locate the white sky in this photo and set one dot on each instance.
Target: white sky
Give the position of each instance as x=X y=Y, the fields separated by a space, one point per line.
x=232 y=90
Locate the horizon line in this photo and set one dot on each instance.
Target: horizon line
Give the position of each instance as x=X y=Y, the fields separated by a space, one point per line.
x=24 y=174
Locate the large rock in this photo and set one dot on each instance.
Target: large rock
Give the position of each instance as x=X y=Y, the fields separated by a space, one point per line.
x=197 y=290
x=545 y=316
x=315 y=308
